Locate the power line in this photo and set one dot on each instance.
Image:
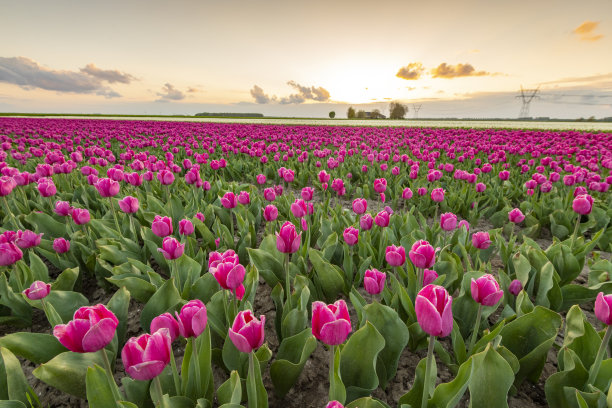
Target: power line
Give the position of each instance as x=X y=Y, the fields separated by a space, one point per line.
x=416 y=108
x=527 y=95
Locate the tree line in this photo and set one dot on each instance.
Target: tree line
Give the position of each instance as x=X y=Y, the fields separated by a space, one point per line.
x=396 y=111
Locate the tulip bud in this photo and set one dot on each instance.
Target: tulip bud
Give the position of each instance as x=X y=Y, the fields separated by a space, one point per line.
x=145 y=357
x=351 y=236
x=129 y=204
x=80 y=216
x=270 y=213
x=247 y=333
x=395 y=255
x=244 y=198
x=27 y=239
x=516 y=216
x=448 y=221
x=481 y=240
x=60 y=245
x=429 y=275
x=192 y=319
x=162 y=226
x=422 y=254
x=374 y=281
x=603 y=308
x=437 y=195
x=331 y=323
x=287 y=239
x=37 y=290
x=62 y=208
x=382 y=219
x=485 y=290
x=229 y=200
x=168 y=322
x=515 y=287
x=91 y=329
x=583 y=204
x=366 y=222
x=360 y=205
x=171 y=248
x=307 y=193
x=433 y=307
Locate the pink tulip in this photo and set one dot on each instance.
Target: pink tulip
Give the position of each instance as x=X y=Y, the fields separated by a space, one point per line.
x=360 y=206
x=168 y=322
x=270 y=213
x=192 y=319
x=145 y=357
x=485 y=290
x=80 y=216
x=129 y=205
x=448 y=221
x=7 y=184
x=323 y=176
x=91 y=329
x=247 y=333
x=583 y=204
x=162 y=226
x=229 y=200
x=331 y=323
x=307 y=193
x=299 y=208
x=421 y=191
x=603 y=308
x=46 y=188
x=60 y=245
x=433 y=307
x=481 y=240
x=244 y=198
x=278 y=190
x=171 y=248
x=28 y=239
x=269 y=194
x=380 y=185
x=480 y=187
x=516 y=216
x=422 y=254
x=37 y=290
x=365 y=222
x=437 y=195
x=215 y=258
x=464 y=224
x=504 y=175
x=288 y=240
x=186 y=227
x=429 y=276
x=261 y=179
x=515 y=287
x=62 y=208
x=200 y=216
x=107 y=187
x=382 y=219
x=230 y=276
x=395 y=255
x=351 y=236
x=334 y=404
x=407 y=193
x=165 y=177
x=9 y=253
x=374 y=281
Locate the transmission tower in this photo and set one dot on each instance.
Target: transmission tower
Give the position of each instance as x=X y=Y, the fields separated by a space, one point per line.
x=526 y=96
x=416 y=108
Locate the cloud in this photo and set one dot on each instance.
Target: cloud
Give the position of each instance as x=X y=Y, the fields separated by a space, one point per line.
x=304 y=93
x=28 y=74
x=170 y=93
x=585 y=31
x=260 y=96
x=598 y=79
x=192 y=89
x=412 y=71
x=108 y=75
x=445 y=70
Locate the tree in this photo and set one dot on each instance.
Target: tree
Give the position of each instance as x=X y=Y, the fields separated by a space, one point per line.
x=376 y=114
x=397 y=110
x=350 y=113
x=361 y=114
x=332 y=114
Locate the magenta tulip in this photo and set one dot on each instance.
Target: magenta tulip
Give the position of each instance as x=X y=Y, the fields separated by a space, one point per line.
x=215 y=258
x=229 y=200
x=360 y=206
x=269 y=194
x=382 y=219
x=422 y=254
x=62 y=208
x=331 y=323
x=407 y=193
x=365 y=222
x=485 y=290
x=448 y=221
x=516 y=216
x=80 y=216
x=380 y=185
x=481 y=240
x=515 y=287
x=395 y=255
x=307 y=193
x=351 y=236
x=374 y=281
x=145 y=357
x=334 y=404
x=129 y=205
x=37 y=290
x=60 y=245
x=230 y=276
x=171 y=248
x=437 y=195
x=270 y=213
x=247 y=333
x=288 y=240
x=192 y=319
x=429 y=276
x=186 y=227
x=91 y=329
x=9 y=253
x=107 y=187
x=583 y=204
x=433 y=307
x=603 y=308
x=168 y=322
x=28 y=239
x=162 y=226
x=244 y=198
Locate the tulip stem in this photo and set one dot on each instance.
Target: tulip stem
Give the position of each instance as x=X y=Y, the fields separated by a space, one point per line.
x=476 y=329
x=114 y=215
x=10 y=213
x=231 y=217
x=109 y=372
x=235 y=300
x=600 y=354
x=430 y=360
x=575 y=232
x=196 y=364
x=252 y=385
x=175 y=376
x=419 y=282
x=287 y=280
x=158 y=387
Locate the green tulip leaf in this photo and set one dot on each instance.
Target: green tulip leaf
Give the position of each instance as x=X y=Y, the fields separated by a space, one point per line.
x=290 y=360
x=36 y=347
x=164 y=300
x=491 y=379
x=13 y=383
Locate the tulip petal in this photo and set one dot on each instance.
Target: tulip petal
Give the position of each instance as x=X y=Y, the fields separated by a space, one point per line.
x=99 y=335
x=198 y=322
x=428 y=316
x=334 y=333
x=320 y=316
x=71 y=334
x=493 y=298
x=241 y=342
x=147 y=370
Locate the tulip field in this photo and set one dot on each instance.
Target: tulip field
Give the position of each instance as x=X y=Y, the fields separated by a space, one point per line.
x=195 y=265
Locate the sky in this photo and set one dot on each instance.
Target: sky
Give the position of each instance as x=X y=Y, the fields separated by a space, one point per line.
x=307 y=58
